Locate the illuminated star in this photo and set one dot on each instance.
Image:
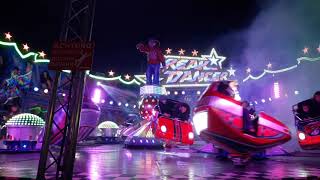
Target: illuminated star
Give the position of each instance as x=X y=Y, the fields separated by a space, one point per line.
x=231 y=71
x=8 y=36
x=168 y=51
x=195 y=52
x=269 y=66
x=318 y=49
x=305 y=50
x=127 y=77
x=215 y=58
x=26 y=47
x=181 y=52
x=42 y=54
x=111 y=73
x=248 y=70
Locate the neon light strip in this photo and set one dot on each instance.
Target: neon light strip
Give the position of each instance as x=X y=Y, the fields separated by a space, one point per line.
x=213 y=54
x=140 y=78
x=36 y=60
x=253 y=77
x=186 y=85
x=307 y=59
x=24 y=56
x=114 y=78
x=281 y=70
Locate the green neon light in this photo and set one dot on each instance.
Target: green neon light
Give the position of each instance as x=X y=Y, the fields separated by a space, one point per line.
x=119 y=78
x=307 y=59
x=266 y=71
x=24 y=56
x=37 y=60
x=141 y=77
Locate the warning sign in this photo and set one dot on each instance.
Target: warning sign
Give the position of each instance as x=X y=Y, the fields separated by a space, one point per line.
x=75 y=56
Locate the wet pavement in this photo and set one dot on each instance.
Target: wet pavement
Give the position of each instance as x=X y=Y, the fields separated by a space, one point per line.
x=115 y=162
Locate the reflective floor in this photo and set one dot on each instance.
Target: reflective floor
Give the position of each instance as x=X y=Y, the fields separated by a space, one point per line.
x=115 y=162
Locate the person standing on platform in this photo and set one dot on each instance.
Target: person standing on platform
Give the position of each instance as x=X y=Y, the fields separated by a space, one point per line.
x=155 y=58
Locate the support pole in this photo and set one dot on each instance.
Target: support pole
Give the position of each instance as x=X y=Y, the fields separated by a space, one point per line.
x=77 y=97
x=47 y=134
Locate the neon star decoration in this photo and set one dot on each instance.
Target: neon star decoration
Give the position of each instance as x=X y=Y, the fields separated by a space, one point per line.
x=42 y=54
x=231 y=71
x=214 y=58
x=111 y=73
x=25 y=47
x=195 y=52
x=8 y=36
x=168 y=51
x=127 y=76
x=269 y=66
x=181 y=52
x=248 y=70
x=305 y=50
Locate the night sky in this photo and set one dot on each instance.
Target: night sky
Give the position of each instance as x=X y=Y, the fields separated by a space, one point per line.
x=120 y=25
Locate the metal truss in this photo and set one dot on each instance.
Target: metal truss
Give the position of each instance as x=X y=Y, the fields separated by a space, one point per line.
x=77 y=27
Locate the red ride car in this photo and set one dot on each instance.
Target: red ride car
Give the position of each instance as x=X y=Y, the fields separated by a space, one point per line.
x=218 y=119
x=172 y=123
x=308 y=128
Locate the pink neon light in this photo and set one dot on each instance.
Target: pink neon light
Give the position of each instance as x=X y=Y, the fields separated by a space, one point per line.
x=276 y=90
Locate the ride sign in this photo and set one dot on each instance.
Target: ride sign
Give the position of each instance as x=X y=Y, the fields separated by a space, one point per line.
x=191 y=71
x=75 y=56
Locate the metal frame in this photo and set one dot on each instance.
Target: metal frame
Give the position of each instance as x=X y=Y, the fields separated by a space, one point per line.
x=77 y=27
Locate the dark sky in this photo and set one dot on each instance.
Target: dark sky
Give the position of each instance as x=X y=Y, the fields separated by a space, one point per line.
x=120 y=25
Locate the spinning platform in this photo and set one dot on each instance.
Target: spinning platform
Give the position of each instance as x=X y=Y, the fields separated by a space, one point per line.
x=144 y=136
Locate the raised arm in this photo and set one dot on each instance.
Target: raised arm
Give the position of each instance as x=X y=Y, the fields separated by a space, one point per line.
x=142 y=48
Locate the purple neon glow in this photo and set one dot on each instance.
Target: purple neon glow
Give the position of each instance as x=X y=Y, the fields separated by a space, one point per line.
x=96 y=96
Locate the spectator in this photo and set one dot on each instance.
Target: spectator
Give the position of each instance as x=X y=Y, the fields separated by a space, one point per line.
x=46 y=80
x=315 y=106
x=305 y=111
x=182 y=112
x=166 y=107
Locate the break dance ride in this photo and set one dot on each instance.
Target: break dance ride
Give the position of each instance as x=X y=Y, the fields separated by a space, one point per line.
x=160 y=128
x=218 y=119
x=308 y=129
